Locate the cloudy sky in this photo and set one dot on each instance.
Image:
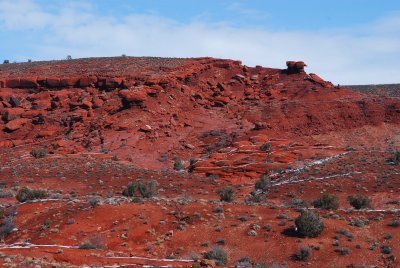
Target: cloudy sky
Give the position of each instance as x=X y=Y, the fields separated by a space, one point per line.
x=344 y=41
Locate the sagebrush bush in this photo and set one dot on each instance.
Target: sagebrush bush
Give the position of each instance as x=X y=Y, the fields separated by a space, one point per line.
x=218 y=255
x=264 y=183
x=26 y=194
x=396 y=157
x=147 y=189
x=343 y=251
x=359 y=201
x=7 y=226
x=265 y=147
x=327 y=201
x=93 y=201
x=309 y=224
x=129 y=190
x=302 y=254
x=394 y=223
x=178 y=164
x=38 y=153
x=226 y=194
x=94 y=242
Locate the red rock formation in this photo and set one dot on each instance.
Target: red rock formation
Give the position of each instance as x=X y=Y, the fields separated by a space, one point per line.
x=295 y=66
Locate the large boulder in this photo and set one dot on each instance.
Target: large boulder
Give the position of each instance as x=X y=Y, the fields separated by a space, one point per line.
x=137 y=96
x=69 y=82
x=110 y=82
x=12 y=83
x=28 y=83
x=53 y=82
x=87 y=81
x=16 y=124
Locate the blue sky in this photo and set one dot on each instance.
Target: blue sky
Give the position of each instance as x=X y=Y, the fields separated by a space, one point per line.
x=344 y=41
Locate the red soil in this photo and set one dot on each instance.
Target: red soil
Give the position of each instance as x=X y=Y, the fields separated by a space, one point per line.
x=108 y=121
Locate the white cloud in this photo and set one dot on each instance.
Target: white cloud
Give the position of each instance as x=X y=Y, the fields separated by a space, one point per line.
x=367 y=54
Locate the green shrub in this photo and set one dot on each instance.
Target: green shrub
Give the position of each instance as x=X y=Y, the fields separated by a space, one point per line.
x=219 y=255
x=309 y=224
x=87 y=245
x=265 y=147
x=94 y=242
x=396 y=157
x=359 y=201
x=26 y=194
x=7 y=226
x=303 y=254
x=394 y=223
x=178 y=164
x=226 y=194
x=147 y=189
x=386 y=249
x=93 y=201
x=264 y=183
x=343 y=251
x=38 y=153
x=327 y=201
x=129 y=190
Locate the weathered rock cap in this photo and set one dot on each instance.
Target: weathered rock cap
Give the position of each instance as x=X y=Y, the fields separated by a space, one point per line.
x=295 y=66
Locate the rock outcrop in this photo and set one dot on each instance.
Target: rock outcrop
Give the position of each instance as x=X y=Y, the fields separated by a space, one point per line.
x=155 y=105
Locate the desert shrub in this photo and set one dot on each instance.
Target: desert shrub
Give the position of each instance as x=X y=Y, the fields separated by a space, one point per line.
x=95 y=242
x=298 y=203
x=265 y=147
x=346 y=233
x=26 y=194
x=218 y=255
x=309 y=224
x=147 y=189
x=386 y=249
x=6 y=61
x=129 y=190
x=93 y=201
x=226 y=194
x=396 y=157
x=243 y=262
x=302 y=254
x=178 y=164
x=358 y=222
x=38 y=153
x=267 y=227
x=388 y=236
x=7 y=226
x=242 y=218
x=257 y=198
x=327 y=201
x=394 y=223
x=39 y=194
x=264 y=183
x=359 y=201
x=23 y=195
x=343 y=251
x=218 y=210
x=4 y=194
